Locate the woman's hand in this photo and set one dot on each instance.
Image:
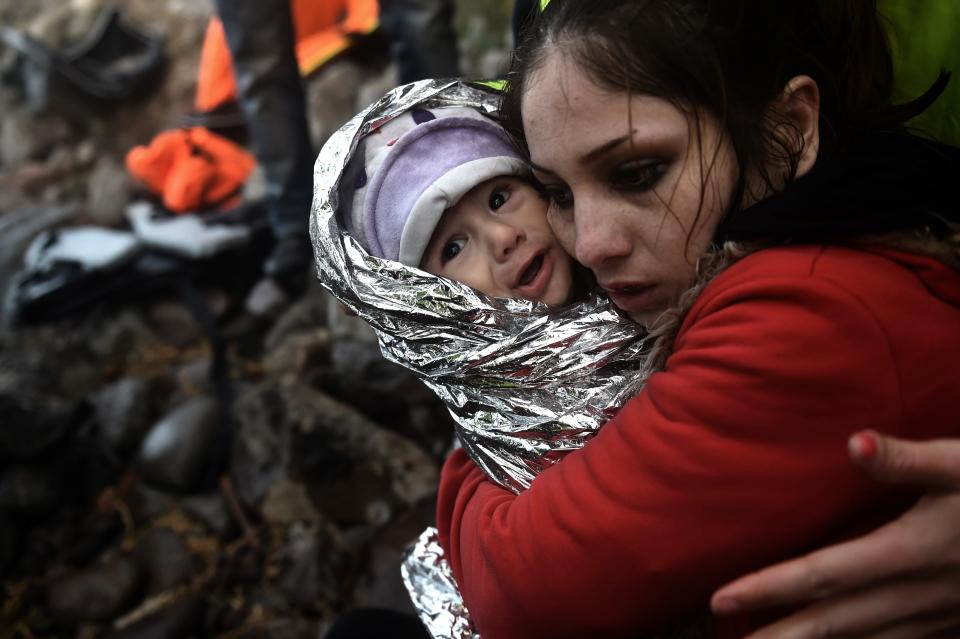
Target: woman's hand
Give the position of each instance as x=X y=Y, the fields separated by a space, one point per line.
x=902 y=580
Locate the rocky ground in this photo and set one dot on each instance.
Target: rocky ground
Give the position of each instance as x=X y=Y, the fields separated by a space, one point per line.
x=186 y=458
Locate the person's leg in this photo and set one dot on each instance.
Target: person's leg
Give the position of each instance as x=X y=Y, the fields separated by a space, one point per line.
x=261 y=40
x=423 y=41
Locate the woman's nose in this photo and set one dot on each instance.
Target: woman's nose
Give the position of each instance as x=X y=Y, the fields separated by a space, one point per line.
x=598 y=238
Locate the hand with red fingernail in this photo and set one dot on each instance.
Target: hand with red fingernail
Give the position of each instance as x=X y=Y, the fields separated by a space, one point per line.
x=901 y=581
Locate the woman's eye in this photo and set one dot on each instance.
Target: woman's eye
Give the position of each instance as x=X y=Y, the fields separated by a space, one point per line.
x=558 y=197
x=498 y=198
x=638 y=176
x=451 y=249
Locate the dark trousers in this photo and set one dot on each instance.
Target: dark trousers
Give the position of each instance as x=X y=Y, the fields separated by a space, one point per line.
x=261 y=40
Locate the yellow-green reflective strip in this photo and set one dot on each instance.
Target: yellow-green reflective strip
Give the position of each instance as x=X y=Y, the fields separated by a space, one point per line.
x=543 y=4
x=496 y=85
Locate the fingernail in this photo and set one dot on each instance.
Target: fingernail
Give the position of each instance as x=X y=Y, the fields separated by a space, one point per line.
x=725 y=605
x=864 y=446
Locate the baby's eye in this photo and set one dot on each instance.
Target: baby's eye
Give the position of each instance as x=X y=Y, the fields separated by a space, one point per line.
x=452 y=249
x=498 y=197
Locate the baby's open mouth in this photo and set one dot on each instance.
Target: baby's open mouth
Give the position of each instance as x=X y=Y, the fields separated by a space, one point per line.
x=531 y=271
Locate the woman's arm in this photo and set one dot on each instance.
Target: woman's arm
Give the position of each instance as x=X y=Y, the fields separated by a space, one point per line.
x=902 y=580
x=731 y=457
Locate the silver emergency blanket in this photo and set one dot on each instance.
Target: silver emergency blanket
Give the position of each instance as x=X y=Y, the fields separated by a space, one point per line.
x=523 y=383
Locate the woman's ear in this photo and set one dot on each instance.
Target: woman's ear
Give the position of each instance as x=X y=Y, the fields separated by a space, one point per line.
x=800 y=105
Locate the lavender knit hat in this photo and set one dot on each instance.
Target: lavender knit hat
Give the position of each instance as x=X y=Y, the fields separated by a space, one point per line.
x=419 y=165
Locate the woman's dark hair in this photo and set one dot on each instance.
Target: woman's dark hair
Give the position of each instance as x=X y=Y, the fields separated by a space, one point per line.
x=730 y=59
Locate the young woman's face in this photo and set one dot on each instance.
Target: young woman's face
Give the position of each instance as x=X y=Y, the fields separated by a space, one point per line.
x=497 y=240
x=633 y=194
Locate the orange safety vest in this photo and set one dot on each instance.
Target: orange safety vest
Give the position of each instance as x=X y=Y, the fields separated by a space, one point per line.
x=322 y=27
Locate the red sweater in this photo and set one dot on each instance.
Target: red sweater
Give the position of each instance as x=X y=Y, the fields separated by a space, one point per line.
x=732 y=458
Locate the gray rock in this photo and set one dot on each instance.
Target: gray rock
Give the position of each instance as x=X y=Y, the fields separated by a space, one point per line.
x=331 y=96
x=108 y=192
x=287 y=503
x=376 y=86
x=386 y=392
x=174 y=323
x=211 y=510
x=265 y=299
x=119 y=336
x=124 y=410
x=164 y=560
x=380 y=585
x=194 y=377
x=290 y=628
x=304 y=316
x=32 y=422
x=311 y=558
x=8 y=541
x=346 y=461
x=292 y=358
x=183 y=618
x=24 y=136
x=147 y=503
x=29 y=488
x=344 y=326
x=261 y=442
x=97 y=594
x=177 y=451
x=63 y=25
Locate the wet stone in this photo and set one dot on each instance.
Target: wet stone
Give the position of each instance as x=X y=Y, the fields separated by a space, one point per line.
x=8 y=541
x=288 y=502
x=304 y=316
x=29 y=488
x=183 y=618
x=260 y=443
x=309 y=582
x=108 y=192
x=174 y=323
x=194 y=377
x=165 y=560
x=97 y=594
x=212 y=511
x=146 y=503
x=31 y=424
x=123 y=411
x=291 y=359
x=94 y=535
x=178 y=450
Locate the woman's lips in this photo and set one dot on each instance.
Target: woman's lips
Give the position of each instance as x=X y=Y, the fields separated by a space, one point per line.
x=534 y=277
x=633 y=298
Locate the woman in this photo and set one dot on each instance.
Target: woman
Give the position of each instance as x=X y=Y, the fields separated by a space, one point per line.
x=659 y=129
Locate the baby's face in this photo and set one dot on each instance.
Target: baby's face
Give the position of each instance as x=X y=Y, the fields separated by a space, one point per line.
x=497 y=240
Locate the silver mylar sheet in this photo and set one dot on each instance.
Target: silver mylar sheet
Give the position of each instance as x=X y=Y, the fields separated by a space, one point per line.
x=523 y=383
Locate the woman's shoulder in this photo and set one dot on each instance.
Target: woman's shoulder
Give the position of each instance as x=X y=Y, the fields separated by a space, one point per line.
x=870 y=274
x=876 y=299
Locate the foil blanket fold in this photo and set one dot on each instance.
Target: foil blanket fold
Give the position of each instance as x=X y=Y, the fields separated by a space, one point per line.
x=524 y=383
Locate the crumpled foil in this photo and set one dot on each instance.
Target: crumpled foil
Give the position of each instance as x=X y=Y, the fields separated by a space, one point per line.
x=524 y=383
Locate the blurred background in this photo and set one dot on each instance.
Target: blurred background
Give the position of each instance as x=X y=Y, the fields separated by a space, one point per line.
x=186 y=450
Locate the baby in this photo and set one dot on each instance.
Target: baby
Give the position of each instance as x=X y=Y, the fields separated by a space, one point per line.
x=446 y=191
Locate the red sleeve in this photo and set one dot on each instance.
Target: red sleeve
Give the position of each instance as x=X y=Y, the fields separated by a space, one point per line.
x=731 y=458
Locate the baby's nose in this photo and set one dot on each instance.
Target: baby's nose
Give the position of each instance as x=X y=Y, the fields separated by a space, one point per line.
x=505 y=238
